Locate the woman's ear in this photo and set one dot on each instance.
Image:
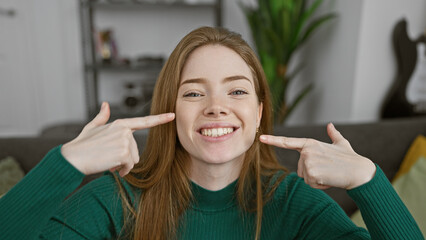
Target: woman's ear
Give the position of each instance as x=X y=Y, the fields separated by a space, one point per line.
x=259 y=115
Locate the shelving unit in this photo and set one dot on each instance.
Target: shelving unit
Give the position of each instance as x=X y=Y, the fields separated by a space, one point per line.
x=93 y=68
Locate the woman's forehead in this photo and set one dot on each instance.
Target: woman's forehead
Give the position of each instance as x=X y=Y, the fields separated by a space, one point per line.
x=215 y=62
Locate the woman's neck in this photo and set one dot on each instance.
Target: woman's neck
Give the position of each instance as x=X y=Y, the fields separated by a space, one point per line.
x=215 y=177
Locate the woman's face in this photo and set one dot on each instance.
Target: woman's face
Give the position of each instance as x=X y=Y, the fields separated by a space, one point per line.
x=217 y=109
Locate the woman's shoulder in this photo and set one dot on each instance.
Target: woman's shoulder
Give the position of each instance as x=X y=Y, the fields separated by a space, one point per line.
x=99 y=203
x=293 y=188
x=107 y=186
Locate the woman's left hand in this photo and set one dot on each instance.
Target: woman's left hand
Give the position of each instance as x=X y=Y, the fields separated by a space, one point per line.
x=324 y=165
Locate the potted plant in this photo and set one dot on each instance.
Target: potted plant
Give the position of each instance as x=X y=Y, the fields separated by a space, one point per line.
x=279 y=28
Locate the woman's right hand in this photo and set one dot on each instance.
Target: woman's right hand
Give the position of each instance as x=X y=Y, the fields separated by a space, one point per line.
x=101 y=147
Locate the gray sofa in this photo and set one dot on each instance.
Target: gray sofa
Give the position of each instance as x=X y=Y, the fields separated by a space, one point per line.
x=384 y=142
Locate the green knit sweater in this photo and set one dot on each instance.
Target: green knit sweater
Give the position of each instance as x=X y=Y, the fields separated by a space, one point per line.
x=35 y=209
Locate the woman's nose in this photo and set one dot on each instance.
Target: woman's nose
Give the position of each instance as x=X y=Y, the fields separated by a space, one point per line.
x=216 y=107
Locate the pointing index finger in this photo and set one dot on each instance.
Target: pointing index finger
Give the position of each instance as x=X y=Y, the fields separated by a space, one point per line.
x=139 y=123
x=284 y=142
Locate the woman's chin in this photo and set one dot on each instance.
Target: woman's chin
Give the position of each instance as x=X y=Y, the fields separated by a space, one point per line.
x=216 y=158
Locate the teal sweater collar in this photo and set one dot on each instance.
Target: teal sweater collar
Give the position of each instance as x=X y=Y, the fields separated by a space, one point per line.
x=207 y=200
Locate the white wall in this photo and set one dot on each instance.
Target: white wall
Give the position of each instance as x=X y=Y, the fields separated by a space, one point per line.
x=330 y=57
x=350 y=60
x=46 y=33
x=58 y=55
x=376 y=66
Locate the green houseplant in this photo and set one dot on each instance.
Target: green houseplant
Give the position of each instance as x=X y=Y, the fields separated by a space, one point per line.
x=279 y=28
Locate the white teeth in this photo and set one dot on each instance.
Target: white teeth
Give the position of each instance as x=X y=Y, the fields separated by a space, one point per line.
x=216 y=132
x=220 y=131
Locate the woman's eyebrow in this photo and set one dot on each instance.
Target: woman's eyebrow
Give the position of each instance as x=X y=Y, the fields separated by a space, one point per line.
x=237 y=77
x=194 y=80
x=227 y=79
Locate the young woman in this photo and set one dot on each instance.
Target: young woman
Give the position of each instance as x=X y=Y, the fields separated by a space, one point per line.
x=207 y=171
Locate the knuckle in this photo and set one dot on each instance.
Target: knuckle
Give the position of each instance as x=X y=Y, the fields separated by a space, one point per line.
x=306 y=153
x=126 y=144
x=311 y=175
x=283 y=142
x=314 y=174
x=145 y=120
x=308 y=169
x=126 y=132
x=117 y=122
x=310 y=165
x=311 y=142
x=124 y=153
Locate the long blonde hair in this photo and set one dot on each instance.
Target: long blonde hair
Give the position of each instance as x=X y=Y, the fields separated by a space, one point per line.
x=162 y=173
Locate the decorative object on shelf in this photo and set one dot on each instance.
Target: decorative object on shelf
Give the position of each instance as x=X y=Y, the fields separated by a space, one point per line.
x=106 y=46
x=279 y=28
x=132 y=98
x=411 y=60
x=134 y=101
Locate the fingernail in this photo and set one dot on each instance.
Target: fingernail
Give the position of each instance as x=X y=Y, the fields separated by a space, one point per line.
x=332 y=125
x=170 y=115
x=264 y=138
x=103 y=105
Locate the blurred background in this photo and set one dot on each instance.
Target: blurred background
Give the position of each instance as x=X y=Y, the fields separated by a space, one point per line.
x=60 y=59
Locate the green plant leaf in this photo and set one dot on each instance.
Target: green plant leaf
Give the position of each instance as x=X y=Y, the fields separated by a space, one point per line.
x=298 y=69
x=287 y=29
x=314 y=25
x=275 y=46
x=301 y=95
x=305 y=15
x=268 y=64
x=278 y=96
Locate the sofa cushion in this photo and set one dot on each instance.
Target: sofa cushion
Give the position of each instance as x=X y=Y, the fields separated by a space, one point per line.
x=409 y=184
x=10 y=174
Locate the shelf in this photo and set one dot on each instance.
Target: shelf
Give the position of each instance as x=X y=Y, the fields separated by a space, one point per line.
x=124 y=67
x=162 y=4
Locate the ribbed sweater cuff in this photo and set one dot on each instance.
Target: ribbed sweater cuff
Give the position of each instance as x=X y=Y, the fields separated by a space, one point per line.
x=29 y=205
x=384 y=214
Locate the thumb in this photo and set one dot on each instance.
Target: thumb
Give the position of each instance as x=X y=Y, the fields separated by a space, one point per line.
x=334 y=135
x=102 y=117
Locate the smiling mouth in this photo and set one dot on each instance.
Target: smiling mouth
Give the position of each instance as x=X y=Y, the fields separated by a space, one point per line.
x=216 y=132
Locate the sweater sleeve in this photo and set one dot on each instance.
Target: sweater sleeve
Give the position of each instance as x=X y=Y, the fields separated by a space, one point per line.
x=311 y=214
x=317 y=216
x=28 y=206
x=35 y=208
x=385 y=215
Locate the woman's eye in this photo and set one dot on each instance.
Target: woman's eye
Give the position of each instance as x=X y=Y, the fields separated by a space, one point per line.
x=192 y=94
x=238 y=92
